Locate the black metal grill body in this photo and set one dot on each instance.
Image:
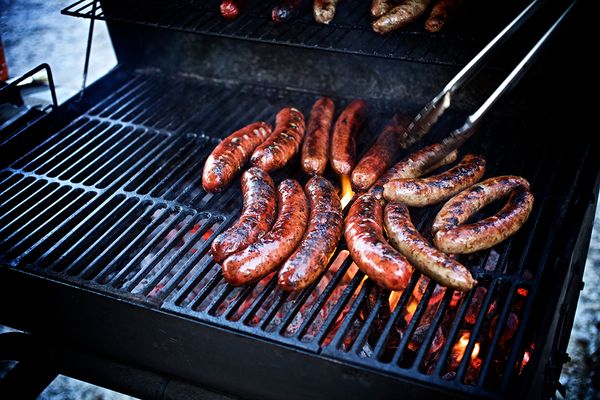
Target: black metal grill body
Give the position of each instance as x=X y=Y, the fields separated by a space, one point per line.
x=105 y=229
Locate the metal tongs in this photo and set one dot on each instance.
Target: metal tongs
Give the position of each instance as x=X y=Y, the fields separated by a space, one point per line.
x=429 y=115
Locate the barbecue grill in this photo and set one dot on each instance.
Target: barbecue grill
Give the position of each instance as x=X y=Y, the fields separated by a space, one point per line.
x=105 y=227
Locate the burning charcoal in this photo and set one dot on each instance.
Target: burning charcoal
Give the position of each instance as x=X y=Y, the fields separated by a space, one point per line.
x=475 y=305
x=421 y=287
x=508 y=331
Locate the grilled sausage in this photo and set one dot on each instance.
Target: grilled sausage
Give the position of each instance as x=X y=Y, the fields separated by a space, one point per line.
x=430 y=261
x=370 y=251
x=415 y=165
x=421 y=192
x=283 y=143
x=286 y=10
x=400 y=16
x=380 y=157
x=256 y=219
x=265 y=255
x=453 y=237
x=316 y=141
x=441 y=12
x=324 y=10
x=230 y=9
x=320 y=239
x=228 y=158
x=380 y=7
x=343 y=142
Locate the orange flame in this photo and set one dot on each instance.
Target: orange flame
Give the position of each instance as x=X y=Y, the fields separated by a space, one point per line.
x=347 y=192
x=393 y=299
x=475 y=352
x=526 y=357
x=461 y=346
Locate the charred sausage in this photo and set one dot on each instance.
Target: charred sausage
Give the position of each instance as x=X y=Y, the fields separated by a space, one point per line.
x=286 y=10
x=343 y=142
x=256 y=219
x=283 y=143
x=316 y=141
x=380 y=157
x=370 y=251
x=230 y=9
x=421 y=192
x=320 y=239
x=453 y=237
x=228 y=158
x=324 y=10
x=400 y=16
x=265 y=255
x=430 y=261
x=441 y=12
x=380 y=7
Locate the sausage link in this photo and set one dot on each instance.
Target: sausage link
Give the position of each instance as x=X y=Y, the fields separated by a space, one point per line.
x=380 y=7
x=320 y=239
x=283 y=143
x=400 y=16
x=228 y=158
x=343 y=142
x=421 y=192
x=441 y=12
x=286 y=10
x=267 y=253
x=430 y=261
x=453 y=237
x=230 y=9
x=380 y=157
x=415 y=165
x=370 y=251
x=316 y=141
x=324 y=10
x=256 y=218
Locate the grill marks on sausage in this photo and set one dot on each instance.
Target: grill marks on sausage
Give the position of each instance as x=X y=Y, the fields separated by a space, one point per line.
x=430 y=261
x=324 y=10
x=441 y=12
x=319 y=240
x=399 y=16
x=265 y=255
x=283 y=143
x=315 y=148
x=256 y=218
x=230 y=9
x=420 y=192
x=363 y=231
x=343 y=143
x=452 y=236
x=228 y=158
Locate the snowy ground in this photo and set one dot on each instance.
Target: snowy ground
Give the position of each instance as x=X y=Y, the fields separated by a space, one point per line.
x=33 y=31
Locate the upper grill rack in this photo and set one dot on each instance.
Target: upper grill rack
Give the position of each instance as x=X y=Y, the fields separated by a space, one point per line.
x=350 y=32
x=113 y=202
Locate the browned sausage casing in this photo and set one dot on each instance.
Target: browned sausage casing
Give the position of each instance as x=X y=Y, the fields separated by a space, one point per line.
x=370 y=251
x=400 y=16
x=283 y=143
x=228 y=158
x=414 y=165
x=265 y=255
x=430 y=261
x=453 y=237
x=256 y=219
x=324 y=10
x=315 y=148
x=380 y=7
x=421 y=192
x=230 y=9
x=380 y=157
x=320 y=239
x=441 y=12
x=343 y=142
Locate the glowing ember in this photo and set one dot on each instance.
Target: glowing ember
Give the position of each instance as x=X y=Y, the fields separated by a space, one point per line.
x=522 y=291
x=475 y=352
x=412 y=307
x=394 y=298
x=347 y=192
x=526 y=357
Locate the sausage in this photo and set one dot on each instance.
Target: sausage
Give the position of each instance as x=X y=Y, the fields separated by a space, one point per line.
x=363 y=231
x=343 y=142
x=267 y=253
x=421 y=192
x=451 y=236
x=283 y=143
x=230 y=9
x=316 y=141
x=441 y=12
x=286 y=10
x=380 y=157
x=228 y=158
x=415 y=165
x=320 y=239
x=256 y=219
x=380 y=7
x=430 y=261
x=324 y=10
x=400 y=16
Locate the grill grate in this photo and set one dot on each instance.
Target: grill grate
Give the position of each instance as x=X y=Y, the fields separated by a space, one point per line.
x=113 y=202
x=350 y=32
